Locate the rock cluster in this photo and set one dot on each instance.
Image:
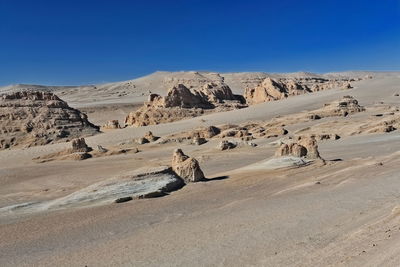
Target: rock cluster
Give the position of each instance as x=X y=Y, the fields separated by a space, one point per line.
x=271 y=89
x=304 y=147
x=225 y=144
x=347 y=105
x=147 y=138
x=183 y=102
x=199 y=140
x=112 y=124
x=275 y=89
x=186 y=167
x=30 y=118
x=245 y=132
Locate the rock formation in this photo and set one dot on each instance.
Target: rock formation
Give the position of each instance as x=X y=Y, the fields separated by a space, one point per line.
x=185 y=167
x=150 y=136
x=347 y=105
x=225 y=144
x=112 y=124
x=147 y=138
x=347 y=86
x=32 y=118
x=199 y=140
x=79 y=145
x=271 y=89
x=275 y=89
x=182 y=102
x=305 y=147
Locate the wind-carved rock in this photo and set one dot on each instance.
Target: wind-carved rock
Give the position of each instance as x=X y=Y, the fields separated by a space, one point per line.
x=31 y=118
x=306 y=147
x=275 y=89
x=79 y=145
x=112 y=124
x=147 y=138
x=186 y=167
x=270 y=90
x=345 y=106
x=182 y=102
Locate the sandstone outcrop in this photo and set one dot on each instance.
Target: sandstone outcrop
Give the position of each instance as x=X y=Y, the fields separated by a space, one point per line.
x=31 y=118
x=225 y=144
x=199 y=140
x=151 y=137
x=79 y=145
x=147 y=138
x=275 y=89
x=305 y=147
x=112 y=124
x=183 y=102
x=347 y=86
x=186 y=167
x=269 y=90
x=347 y=105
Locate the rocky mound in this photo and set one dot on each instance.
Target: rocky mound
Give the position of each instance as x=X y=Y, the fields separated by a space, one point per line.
x=345 y=106
x=275 y=89
x=147 y=138
x=305 y=147
x=182 y=102
x=37 y=118
x=186 y=167
x=112 y=124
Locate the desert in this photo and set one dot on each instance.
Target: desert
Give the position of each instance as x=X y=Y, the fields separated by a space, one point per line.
x=200 y=133
x=307 y=179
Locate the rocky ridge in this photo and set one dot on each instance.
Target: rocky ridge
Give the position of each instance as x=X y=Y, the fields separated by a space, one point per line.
x=30 y=118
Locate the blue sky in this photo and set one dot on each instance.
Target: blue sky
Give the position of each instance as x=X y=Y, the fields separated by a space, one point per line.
x=85 y=42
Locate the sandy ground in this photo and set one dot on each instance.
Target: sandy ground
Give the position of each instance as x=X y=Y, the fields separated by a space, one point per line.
x=342 y=213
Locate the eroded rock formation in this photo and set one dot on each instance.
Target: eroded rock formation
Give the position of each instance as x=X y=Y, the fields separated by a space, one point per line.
x=345 y=106
x=32 y=118
x=275 y=89
x=79 y=145
x=182 y=102
x=186 y=167
x=304 y=147
x=112 y=124
x=147 y=138
x=271 y=89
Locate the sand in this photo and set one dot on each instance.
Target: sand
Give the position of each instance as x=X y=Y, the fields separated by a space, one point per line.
x=344 y=212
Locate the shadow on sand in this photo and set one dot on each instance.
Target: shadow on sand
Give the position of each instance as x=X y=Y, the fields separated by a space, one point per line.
x=215 y=178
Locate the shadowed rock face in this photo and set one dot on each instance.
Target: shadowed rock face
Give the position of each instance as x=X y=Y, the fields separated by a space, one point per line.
x=182 y=102
x=32 y=118
x=185 y=167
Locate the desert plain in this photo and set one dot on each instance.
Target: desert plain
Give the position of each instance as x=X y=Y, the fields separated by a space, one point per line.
x=203 y=169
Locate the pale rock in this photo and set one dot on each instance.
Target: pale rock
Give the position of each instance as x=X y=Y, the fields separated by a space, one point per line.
x=186 y=167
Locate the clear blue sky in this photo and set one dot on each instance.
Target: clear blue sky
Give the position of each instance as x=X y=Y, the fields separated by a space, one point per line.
x=83 y=42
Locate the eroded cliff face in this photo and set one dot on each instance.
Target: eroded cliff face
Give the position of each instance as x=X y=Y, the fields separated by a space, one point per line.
x=32 y=118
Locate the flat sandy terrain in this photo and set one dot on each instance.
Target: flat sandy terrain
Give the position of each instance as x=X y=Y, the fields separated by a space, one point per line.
x=344 y=212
